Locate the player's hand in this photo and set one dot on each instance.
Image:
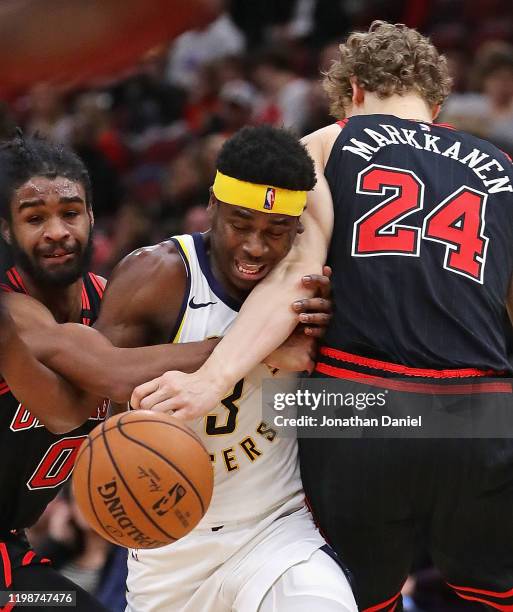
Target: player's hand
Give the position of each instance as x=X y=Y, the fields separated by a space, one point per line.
x=296 y=354
x=315 y=313
x=187 y=396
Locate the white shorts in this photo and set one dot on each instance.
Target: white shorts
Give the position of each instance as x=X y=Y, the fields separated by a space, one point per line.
x=228 y=570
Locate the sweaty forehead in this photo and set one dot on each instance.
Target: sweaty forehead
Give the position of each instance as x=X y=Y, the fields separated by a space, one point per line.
x=42 y=187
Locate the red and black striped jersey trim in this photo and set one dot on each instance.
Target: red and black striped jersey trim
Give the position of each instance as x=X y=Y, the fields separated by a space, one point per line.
x=13 y=281
x=377 y=373
x=386 y=606
x=92 y=293
x=402 y=370
x=502 y=601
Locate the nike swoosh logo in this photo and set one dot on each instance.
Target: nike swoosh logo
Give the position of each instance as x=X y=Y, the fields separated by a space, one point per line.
x=192 y=304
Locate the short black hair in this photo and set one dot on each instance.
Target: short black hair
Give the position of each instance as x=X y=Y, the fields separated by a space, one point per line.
x=22 y=158
x=267 y=156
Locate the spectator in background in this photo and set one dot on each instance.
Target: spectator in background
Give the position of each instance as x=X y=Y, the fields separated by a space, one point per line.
x=196 y=219
x=146 y=100
x=193 y=49
x=238 y=100
x=92 y=121
x=286 y=93
x=488 y=114
x=208 y=151
x=47 y=116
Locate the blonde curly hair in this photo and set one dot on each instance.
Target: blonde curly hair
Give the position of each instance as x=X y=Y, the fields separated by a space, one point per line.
x=388 y=59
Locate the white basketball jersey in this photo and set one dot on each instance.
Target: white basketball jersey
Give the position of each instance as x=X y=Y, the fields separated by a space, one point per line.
x=255 y=469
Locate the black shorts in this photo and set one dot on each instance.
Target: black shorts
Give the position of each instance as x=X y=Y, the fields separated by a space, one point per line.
x=378 y=499
x=24 y=570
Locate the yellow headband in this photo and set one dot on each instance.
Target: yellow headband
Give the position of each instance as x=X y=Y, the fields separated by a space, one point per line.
x=259 y=197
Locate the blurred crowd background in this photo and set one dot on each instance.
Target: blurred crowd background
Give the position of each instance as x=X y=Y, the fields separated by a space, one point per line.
x=150 y=138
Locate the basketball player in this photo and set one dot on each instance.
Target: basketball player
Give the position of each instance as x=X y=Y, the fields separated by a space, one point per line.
x=420 y=219
x=257 y=547
x=47 y=219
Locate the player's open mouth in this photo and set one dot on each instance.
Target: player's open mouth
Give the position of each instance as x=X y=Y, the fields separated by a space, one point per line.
x=59 y=256
x=249 y=271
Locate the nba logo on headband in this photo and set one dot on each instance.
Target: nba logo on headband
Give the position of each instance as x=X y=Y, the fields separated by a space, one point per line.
x=270 y=196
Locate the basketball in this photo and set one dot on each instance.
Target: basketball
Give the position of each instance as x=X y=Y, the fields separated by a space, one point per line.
x=143 y=479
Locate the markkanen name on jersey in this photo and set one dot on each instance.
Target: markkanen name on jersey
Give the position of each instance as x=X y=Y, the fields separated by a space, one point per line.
x=484 y=166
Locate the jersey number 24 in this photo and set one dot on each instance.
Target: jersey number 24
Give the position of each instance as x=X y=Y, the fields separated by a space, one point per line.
x=458 y=222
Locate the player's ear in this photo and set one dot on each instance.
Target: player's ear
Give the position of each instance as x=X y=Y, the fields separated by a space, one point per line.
x=212 y=205
x=358 y=94
x=90 y=214
x=5 y=231
x=435 y=110
x=212 y=201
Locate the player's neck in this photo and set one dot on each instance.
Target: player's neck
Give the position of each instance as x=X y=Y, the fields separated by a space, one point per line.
x=65 y=303
x=409 y=106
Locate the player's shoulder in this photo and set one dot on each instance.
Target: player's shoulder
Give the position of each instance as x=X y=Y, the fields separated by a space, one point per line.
x=326 y=133
x=320 y=142
x=155 y=253
x=150 y=262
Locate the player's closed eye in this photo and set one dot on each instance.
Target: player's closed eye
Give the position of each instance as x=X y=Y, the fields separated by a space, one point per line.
x=239 y=228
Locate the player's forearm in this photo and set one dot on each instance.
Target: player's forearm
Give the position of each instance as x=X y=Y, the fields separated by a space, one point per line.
x=138 y=365
x=48 y=396
x=108 y=371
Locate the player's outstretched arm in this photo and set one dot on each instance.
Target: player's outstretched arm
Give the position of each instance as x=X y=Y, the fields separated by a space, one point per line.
x=48 y=396
x=140 y=306
x=92 y=363
x=264 y=322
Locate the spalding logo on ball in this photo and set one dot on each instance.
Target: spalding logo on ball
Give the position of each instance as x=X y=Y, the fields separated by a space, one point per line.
x=143 y=479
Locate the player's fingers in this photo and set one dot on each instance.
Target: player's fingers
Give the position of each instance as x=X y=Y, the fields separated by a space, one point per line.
x=327 y=271
x=315 y=318
x=318 y=282
x=315 y=305
x=164 y=405
x=185 y=414
x=314 y=332
x=142 y=391
x=149 y=402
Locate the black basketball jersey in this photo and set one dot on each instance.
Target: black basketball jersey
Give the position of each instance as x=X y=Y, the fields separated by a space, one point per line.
x=422 y=249
x=35 y=462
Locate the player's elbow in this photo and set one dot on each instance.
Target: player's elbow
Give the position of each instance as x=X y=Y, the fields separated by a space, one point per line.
x=59 y=426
